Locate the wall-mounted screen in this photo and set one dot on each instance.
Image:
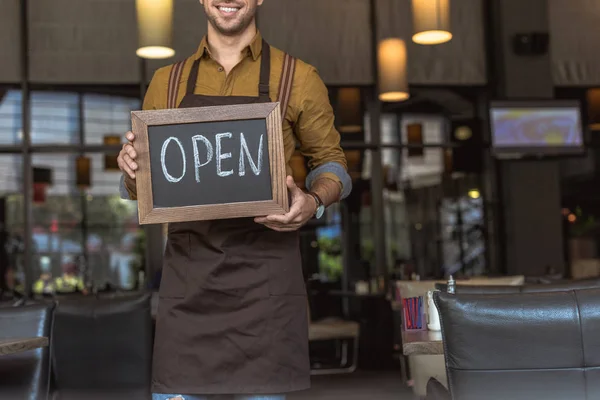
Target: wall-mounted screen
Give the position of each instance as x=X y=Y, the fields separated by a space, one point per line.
x=536 y=128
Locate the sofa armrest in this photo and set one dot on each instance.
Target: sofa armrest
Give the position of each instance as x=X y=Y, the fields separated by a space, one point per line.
x=436 y=391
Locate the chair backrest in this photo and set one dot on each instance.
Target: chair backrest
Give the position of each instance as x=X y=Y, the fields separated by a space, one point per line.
x=420 y=288
x=560 y=286
x=26 y=375
x=103 y=343
x=532 y=288
x=480 y=289
x=522 y=346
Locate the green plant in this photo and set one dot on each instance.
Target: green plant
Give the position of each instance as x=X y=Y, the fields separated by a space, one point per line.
x=330 y=257
x=139 y=263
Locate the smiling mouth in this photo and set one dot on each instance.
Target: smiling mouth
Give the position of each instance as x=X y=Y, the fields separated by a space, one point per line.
x=228 y=10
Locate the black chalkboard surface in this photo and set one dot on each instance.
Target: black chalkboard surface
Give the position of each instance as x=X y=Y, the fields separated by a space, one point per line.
x=209 y=163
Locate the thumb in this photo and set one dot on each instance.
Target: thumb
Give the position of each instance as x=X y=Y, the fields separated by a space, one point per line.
x=291 y=185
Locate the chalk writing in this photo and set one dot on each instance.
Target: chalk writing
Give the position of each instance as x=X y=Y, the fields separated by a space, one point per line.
x=204 y=153
x=163 y=154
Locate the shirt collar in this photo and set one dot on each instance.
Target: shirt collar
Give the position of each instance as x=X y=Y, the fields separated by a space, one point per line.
x=255 y=47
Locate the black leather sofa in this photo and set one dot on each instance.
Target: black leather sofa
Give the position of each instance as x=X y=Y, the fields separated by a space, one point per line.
x=103 y=348
x=531 y=288
x=520 y=346
x=26 y=375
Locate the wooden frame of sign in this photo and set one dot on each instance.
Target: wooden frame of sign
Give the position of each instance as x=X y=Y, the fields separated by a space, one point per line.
x=150 y=213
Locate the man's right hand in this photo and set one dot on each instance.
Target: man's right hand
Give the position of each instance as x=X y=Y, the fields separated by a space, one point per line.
x=127 y=156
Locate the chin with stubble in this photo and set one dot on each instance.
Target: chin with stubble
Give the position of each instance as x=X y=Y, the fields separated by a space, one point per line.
x=230 y=17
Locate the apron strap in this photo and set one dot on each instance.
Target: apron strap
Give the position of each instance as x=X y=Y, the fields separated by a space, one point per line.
x=285 y=84
x=174 y=78
x=193 y=76
x=265 y=70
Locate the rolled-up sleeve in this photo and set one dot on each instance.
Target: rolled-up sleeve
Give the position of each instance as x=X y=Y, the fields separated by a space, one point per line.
x=319 y=140
x=155 y=99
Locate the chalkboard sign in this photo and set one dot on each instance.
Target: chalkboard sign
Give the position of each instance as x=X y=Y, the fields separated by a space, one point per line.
x=209 y=163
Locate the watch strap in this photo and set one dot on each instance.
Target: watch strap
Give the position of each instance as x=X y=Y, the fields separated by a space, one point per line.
x=317 y=199
x=320 y=206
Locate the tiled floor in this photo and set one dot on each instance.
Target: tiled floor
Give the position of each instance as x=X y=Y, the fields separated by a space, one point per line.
x=357 y=386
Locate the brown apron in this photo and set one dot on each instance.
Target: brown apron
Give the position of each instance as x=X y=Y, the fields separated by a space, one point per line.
x=232 y=317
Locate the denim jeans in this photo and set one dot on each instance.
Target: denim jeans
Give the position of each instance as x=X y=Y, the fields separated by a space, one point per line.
x=237 y=397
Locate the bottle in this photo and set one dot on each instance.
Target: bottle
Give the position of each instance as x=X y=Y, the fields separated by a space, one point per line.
x=451 y=285
x=433 y=318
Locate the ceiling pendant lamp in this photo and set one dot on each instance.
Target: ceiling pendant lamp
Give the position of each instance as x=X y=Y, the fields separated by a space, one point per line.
x=593 y=101
x=392 y=58
x=155 y=28
x=431 y=21
x=350 y=110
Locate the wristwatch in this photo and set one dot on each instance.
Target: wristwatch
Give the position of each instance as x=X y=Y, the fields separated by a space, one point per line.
x=320 y=206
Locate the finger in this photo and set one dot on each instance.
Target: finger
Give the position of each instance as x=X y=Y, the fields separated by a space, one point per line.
x=267 y=220
x=295 y=210
x=260 y=220
x=130 y=163
x=281 y=228
x=125 y=168
x=286 y=218
x=130 y=136
x=292 y=185
x=274 y=225
x=131 y=151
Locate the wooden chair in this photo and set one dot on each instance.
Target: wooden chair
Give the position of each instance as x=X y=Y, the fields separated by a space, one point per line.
x=338 y=330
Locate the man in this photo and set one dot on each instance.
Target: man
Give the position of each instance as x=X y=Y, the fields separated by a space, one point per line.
x=70 y=281
x=232 y=318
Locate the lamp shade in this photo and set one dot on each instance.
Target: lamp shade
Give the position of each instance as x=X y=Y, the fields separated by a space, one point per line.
x=593 y=101
x=431 y=21
x=83 y=171
x=414 y=138
x=354 y=161
x=350 y=115
x=393 y=85
x=155 y=28
x=110 y=160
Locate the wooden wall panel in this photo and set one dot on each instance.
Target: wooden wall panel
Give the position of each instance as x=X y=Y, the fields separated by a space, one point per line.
x=332 y=35
x=10 y=65
x=94 y=41
x=460 y=61
x=574 y=39
x=74 y=41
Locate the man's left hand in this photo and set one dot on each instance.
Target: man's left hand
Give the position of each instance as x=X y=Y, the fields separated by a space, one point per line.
x=302 y=209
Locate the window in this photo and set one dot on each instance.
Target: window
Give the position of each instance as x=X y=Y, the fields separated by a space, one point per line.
x=86 y=234
x=54 y=118
x=12 y=269
x=107 y=115
x=10 y=117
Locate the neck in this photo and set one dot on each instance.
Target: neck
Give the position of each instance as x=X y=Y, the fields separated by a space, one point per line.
x=228 y=49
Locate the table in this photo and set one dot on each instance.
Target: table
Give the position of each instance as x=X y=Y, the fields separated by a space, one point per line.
x=18 y=345
x=419 y=343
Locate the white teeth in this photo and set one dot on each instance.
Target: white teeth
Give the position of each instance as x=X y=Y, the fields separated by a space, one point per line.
x=228 y=9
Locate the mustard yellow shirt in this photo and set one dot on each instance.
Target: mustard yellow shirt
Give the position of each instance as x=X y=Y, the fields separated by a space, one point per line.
x=308 y=119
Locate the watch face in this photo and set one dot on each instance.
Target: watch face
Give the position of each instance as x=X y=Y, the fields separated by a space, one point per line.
x=320 y=211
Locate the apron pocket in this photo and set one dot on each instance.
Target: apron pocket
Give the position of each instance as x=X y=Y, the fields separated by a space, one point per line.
x=173 y=281
x=280 y=253
x=286 y=278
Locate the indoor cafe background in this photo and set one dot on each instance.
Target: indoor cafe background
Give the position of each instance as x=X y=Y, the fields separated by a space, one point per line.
x=70 y=73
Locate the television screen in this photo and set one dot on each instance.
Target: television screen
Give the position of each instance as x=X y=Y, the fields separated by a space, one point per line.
x=536 y=128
